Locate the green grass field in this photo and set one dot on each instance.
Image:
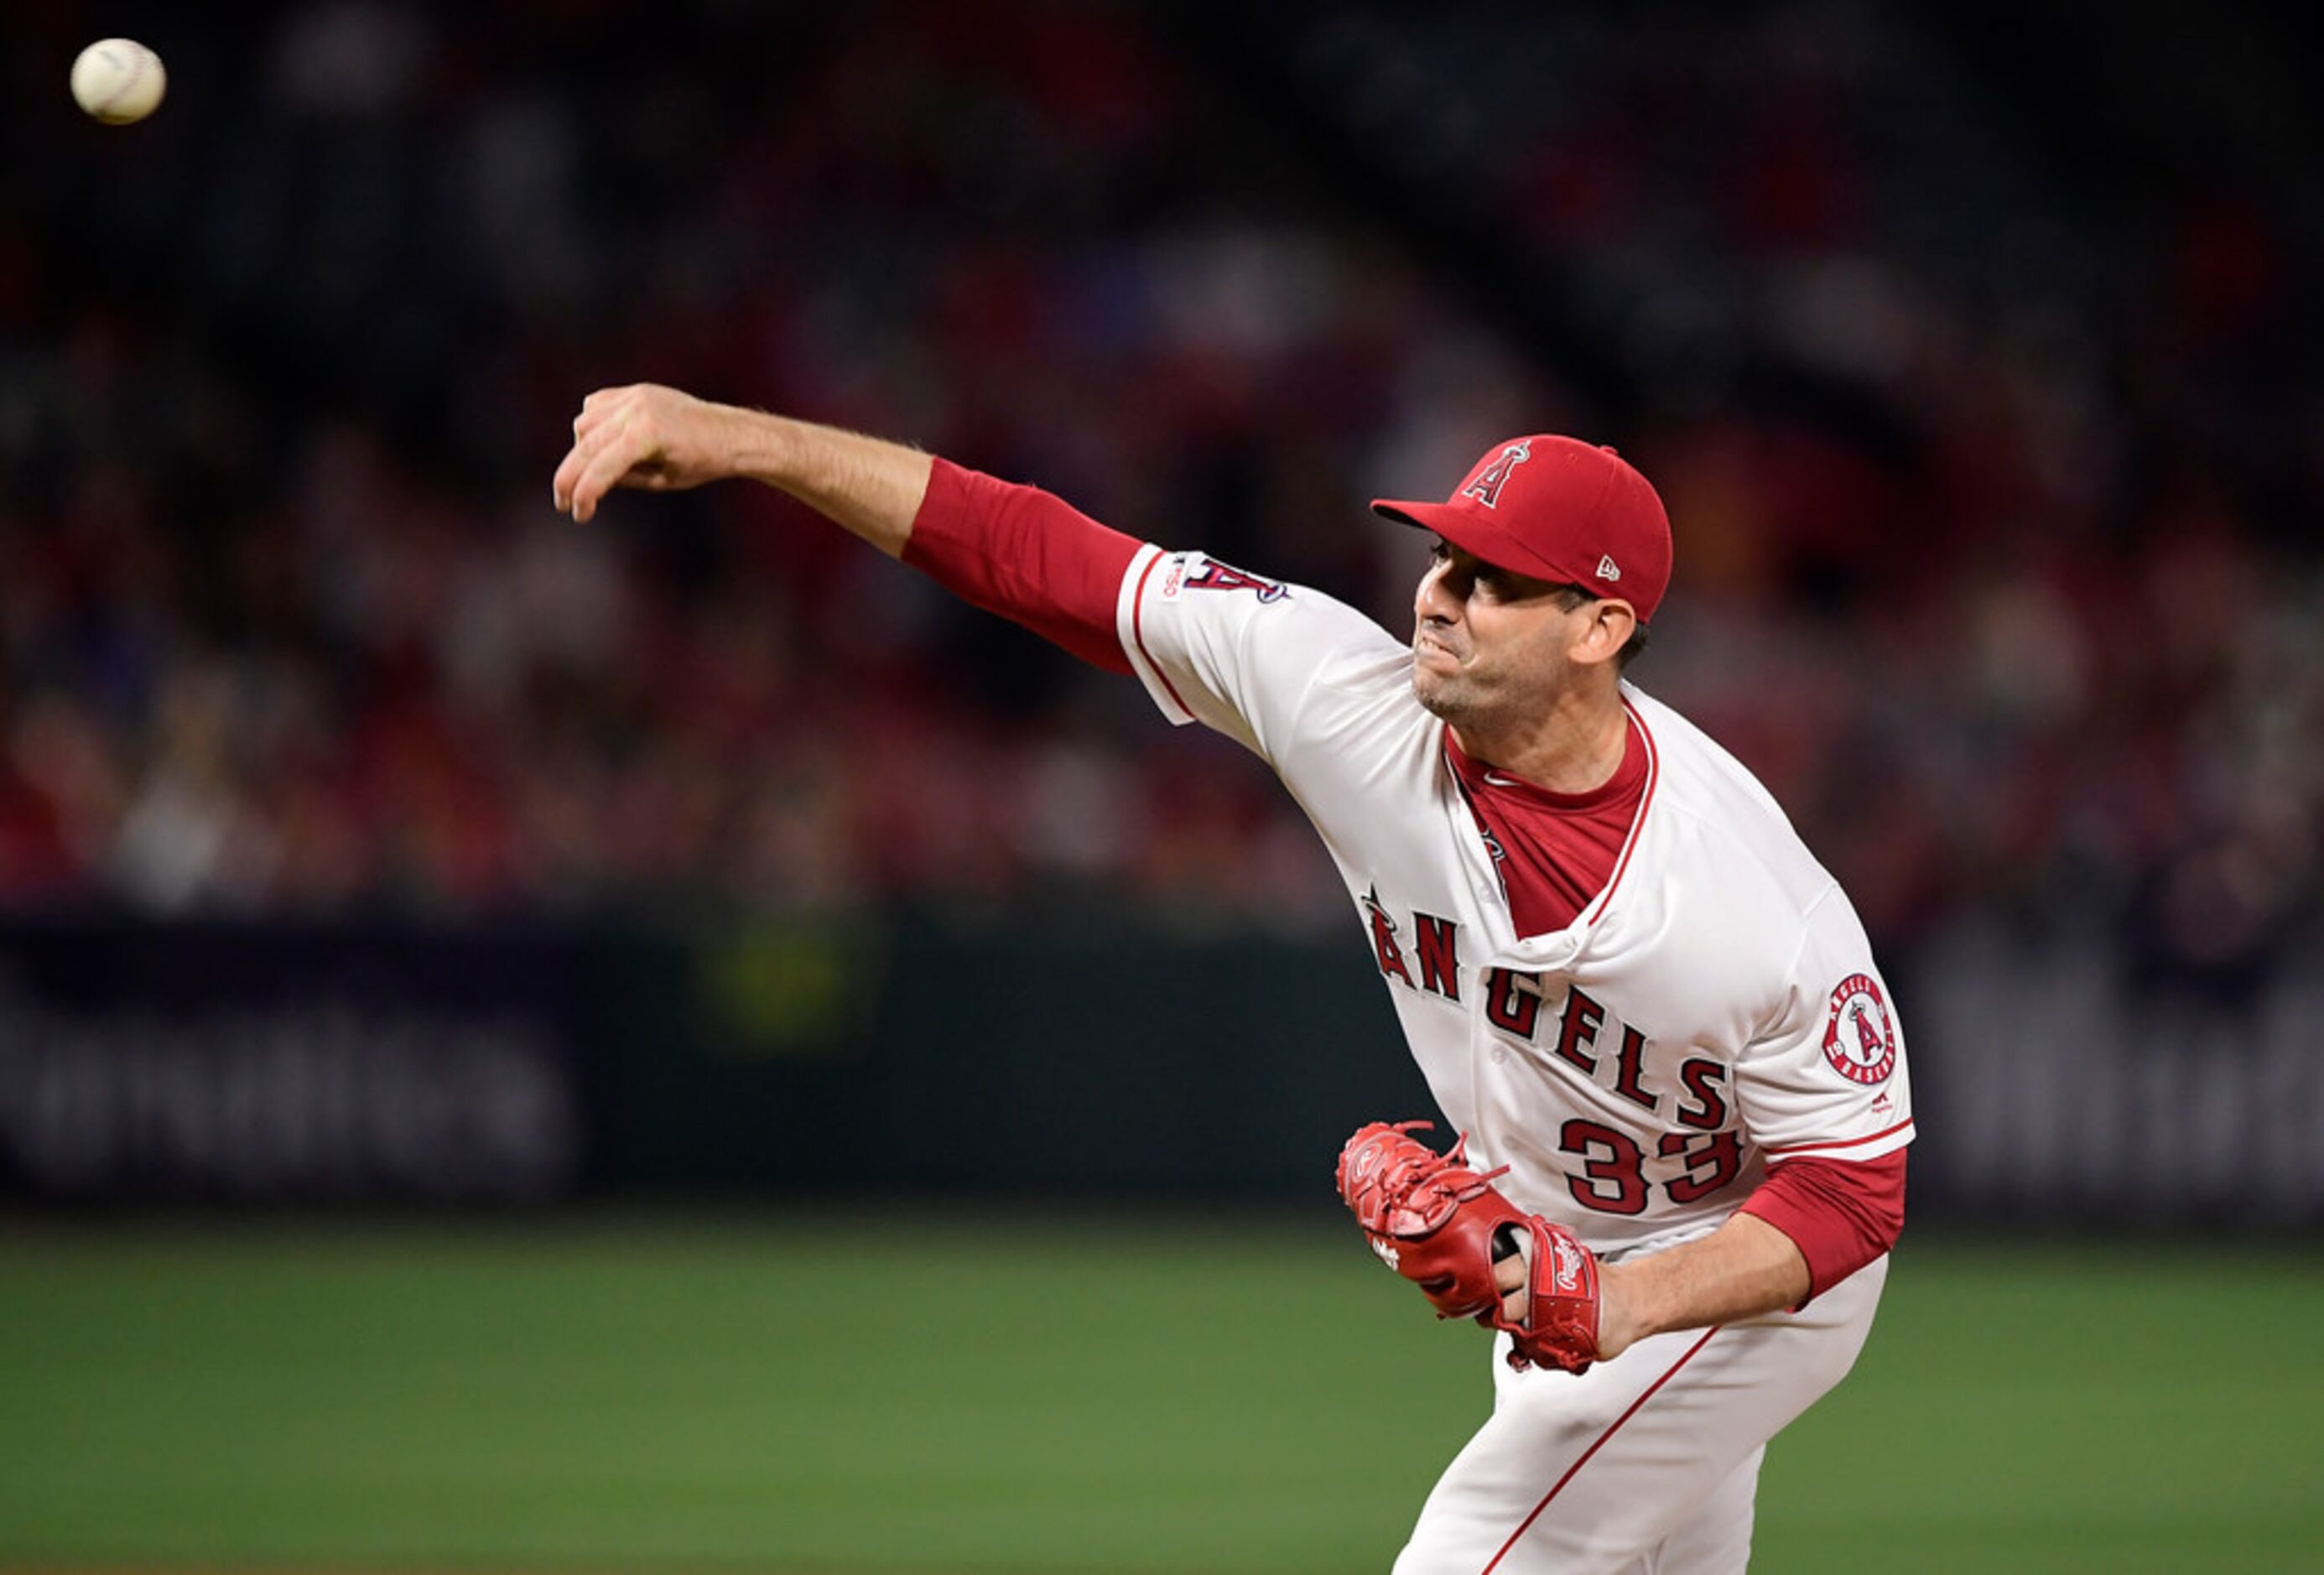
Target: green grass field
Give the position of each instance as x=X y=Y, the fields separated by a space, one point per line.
x=966 y=1395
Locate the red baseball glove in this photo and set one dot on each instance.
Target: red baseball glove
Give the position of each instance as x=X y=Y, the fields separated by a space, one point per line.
x=1442 y=1226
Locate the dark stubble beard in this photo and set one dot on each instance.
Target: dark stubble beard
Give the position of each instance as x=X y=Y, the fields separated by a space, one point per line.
x=1453 y=699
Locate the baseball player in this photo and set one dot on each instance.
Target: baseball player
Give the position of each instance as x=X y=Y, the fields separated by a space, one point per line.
x=1651 y=1018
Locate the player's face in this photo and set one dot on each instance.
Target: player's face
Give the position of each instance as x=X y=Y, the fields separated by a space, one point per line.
x=1490 y=645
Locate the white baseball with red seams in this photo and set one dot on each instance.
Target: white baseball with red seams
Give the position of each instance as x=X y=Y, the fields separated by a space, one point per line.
x=118 y=80
x=1716 y=1008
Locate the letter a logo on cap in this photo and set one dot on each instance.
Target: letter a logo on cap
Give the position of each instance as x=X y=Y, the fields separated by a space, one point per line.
x=1486 y=486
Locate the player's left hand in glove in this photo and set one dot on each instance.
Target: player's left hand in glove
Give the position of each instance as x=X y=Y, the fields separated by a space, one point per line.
x=1442 y=1226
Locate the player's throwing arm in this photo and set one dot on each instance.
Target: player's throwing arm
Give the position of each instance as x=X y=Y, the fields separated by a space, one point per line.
x=659 y=439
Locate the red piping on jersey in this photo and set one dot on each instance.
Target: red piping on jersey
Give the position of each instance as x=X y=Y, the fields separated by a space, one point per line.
x=1527 y=1525
x=1138 y=634
x=1846 y=1142
x=1637 y=825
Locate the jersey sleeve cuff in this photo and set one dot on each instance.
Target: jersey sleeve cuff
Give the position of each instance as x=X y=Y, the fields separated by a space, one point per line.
x=1129 y=622
x=1840 y=1214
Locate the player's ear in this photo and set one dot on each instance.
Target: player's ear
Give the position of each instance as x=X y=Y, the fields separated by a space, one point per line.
x=1611 y=620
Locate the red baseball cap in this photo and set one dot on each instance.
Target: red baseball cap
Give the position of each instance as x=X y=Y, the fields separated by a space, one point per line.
x=1557 y=509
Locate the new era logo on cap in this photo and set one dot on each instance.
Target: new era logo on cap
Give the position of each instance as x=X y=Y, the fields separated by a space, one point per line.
x=1551 y=507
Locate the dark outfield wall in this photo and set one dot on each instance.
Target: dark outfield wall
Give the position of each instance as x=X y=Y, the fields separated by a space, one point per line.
x=914 y=1055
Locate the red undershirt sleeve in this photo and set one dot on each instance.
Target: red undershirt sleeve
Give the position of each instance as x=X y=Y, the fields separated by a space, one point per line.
x=1027 y=555
x=1842 y=1213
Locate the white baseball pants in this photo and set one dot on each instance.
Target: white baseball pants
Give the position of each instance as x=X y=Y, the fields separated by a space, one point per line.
x=1646 y=1465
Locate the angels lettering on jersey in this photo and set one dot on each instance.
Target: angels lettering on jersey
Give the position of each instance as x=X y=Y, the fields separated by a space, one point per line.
x=1579 y=1035
x=1439 y=954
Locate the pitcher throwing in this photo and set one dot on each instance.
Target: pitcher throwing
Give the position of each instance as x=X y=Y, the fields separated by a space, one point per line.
x=1651 y=1018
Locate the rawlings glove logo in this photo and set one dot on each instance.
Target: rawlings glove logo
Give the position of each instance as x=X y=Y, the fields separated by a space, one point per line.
x=1566 y=1266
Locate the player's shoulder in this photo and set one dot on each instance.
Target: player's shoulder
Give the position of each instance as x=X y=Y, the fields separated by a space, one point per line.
x=1259 y=608
x=1715 y=810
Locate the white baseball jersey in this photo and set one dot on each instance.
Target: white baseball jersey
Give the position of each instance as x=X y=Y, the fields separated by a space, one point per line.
x=1714 y=1008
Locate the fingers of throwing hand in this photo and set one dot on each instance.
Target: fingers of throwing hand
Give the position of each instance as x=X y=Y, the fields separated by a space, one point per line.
x=617 y=441
x=563 y=487
x=573 y=489
x=610 y=404
x=576 y=459
x=611 y=453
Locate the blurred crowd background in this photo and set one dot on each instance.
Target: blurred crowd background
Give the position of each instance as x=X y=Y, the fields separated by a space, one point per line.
x=374 y=839
x=1988 y=410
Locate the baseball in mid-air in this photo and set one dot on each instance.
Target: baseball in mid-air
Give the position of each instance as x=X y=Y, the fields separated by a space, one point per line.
x=117 y=81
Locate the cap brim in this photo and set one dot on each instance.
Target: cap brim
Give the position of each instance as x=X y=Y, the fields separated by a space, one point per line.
x=1470 y=532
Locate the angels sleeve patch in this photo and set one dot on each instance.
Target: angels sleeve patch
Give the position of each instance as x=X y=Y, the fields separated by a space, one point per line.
x=1860 y=1038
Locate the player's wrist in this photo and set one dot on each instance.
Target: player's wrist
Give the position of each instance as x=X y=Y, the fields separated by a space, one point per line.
x=1621 y=1316
x=756 y=445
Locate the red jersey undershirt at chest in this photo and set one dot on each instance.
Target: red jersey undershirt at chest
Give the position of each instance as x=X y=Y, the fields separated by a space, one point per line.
x=1556 y=851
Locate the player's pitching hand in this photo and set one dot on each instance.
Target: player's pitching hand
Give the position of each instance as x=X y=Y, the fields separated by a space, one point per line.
x=643 y=436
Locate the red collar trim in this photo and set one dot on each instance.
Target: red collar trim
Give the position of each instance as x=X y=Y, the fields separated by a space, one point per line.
x=1653 y=771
